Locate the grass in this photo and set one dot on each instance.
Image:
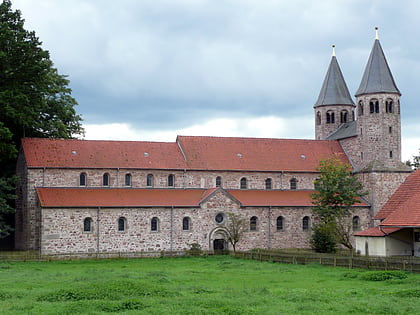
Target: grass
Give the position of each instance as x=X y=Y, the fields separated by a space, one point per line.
x=202 y=285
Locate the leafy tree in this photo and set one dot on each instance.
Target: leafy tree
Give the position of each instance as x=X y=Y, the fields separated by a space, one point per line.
x=337 y=191
x=415 y=163
x=35 y=99
x=235 y=227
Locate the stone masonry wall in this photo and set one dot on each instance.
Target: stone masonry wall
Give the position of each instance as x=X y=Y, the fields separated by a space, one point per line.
x=70 y=237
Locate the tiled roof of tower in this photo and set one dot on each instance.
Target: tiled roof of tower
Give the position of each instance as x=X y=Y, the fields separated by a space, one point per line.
x=403 y=208
x=202 y=153
x=251 y=154
x=102 y=154
x=130 y=197
x=334 y=90
x=377 y=77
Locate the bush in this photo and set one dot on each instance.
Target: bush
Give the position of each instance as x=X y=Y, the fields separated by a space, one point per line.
x=384 y=275
x=195 y=249
x=322 y=239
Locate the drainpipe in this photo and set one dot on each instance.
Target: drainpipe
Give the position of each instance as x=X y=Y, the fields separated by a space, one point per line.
x=172 y=225
x=269 y=227
x=97 y=230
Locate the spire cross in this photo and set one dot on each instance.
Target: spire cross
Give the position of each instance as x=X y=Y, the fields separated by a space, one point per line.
x=376 y=33
x=333 y=50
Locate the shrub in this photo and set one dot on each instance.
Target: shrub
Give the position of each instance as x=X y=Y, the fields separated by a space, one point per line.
x=384 y=275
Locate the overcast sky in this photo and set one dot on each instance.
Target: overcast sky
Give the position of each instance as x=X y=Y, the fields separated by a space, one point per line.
x=154 y=69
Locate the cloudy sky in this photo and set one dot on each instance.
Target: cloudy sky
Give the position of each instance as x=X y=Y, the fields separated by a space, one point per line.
x=154 y=69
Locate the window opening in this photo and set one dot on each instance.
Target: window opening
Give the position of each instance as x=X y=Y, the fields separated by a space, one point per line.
x=154 y=224
x=186 y=224
x=121 y=224
x=268 y=183
x=253 y=223
x=305 y=223
x=356 y=223
x=218 y=181
x=127 y=179
x=171 y=180
x=280 y=223
x=87 y=225
x=293 y=184
x=244 y=183
x=149 y=180
x=105 y=179
x=82 y=179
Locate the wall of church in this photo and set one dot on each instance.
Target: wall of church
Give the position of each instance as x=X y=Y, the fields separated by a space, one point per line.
x=329 y=118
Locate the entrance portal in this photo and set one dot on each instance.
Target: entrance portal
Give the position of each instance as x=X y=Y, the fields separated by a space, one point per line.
x=219 y=245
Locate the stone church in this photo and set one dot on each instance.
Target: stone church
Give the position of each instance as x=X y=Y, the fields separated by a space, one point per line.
x=82 y=196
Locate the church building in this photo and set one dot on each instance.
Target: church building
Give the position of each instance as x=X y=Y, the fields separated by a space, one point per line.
x=84 y=196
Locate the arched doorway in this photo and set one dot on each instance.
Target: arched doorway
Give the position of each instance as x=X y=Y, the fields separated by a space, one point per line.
x=218 y=241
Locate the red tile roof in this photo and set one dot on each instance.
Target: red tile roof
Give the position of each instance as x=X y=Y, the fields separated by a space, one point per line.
x=377 y=232
x=403 y=208
x=219 y=153
x=102 y=154
x=130 y=197
x=202 y=153
x=118 y=197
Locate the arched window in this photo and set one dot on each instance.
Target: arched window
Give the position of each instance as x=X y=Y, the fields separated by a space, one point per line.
x=121 y=224
x=356 y=223
x=374 y=106
x=389 y=105
x=280 y=221
x=330 y=117
x=293 y=184
x=253 y=223
x=105 y=179
x=171 y=180
x=318 y=118
x=268 y=183
x=360 y=109
x=87 y=225
x=306 y=223
x=186 y=224
x=343 y=116
x=149 y=180
x=127 y=180
x=244 y=183
x=82 y=179
x=154 y=224
x=218 y=181
x=352 y=115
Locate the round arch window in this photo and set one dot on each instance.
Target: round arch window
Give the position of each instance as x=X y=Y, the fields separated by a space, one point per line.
x=219 y=218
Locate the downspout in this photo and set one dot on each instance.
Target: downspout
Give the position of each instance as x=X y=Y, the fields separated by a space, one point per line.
x=97 y=230
x=172 y=225
x=269 y=227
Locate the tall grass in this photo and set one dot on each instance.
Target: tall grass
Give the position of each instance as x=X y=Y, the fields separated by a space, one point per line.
x=201 y=285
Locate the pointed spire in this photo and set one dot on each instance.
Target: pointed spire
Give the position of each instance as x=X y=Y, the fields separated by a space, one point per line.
x=334 y=90
x=377 y=77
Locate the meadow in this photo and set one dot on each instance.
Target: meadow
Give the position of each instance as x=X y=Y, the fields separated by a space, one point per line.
x=202 y=285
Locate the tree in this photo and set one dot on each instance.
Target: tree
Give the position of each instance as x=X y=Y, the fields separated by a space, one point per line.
x=337 y=191
x=35 y=99
x=235 y=227
x=415 y=163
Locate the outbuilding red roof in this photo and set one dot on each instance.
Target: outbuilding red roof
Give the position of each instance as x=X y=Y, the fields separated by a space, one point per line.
x=192 y=153
x=377 y=231
x=403 y=208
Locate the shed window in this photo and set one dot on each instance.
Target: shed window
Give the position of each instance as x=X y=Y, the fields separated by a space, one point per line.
x=253 y=223
x=87 y=225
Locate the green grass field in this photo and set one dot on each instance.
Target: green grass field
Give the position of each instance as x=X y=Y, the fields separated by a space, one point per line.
x=201 y=285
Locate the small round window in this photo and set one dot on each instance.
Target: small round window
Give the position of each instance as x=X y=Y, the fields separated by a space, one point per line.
x=219 y=218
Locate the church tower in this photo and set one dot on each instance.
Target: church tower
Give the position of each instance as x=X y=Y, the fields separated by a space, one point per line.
x=334 y=106
x=378 y=111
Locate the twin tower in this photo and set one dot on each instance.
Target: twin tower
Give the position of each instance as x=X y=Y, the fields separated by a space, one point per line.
x=370 y=129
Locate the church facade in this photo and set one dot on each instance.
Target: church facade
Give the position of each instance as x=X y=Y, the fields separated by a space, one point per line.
x=82 y=196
